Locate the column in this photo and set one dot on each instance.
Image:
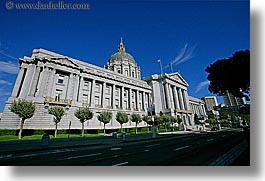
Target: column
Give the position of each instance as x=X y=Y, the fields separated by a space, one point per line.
x=34 y=82
x=27 y=82
x=19 y=81
x=143 y=100
x=180 y=99
x=43 y=82
x=50 y=86
x=167 y=96
x=92 y=93
x=69 y=87
x=80 y=89
x=171 y=99
x=130 y=98
x=113 y=96
x=103 y=95
x=122 y=98
x=176 y=97
x=186 y=99
x=137 y=100
x=76 y=81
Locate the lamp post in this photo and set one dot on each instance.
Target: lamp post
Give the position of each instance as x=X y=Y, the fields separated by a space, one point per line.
x=69 y=128
x=151 y=112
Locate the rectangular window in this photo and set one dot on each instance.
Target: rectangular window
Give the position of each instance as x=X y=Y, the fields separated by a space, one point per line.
x=108 y=90
x=116 y=103
x=117 y=92
x=97 y=88
x=58 y=94
x=86 y=85
x=97 y=103
x=107 y=102
x=85 y=98
x=60 y=79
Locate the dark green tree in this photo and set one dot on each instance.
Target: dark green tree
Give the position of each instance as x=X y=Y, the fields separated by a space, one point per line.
x=196 y=119
x=122 y=118
x=57 y=112
x=136 y=118
x=105 y=118
x=83 y=114
x=146 y=119
x=24 y=110
x=231 y=74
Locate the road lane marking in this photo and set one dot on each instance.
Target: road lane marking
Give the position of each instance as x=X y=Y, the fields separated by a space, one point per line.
x=80 y=156
x=146 y=150
x=210 y=140
x=186 y=139
x=152 y=145
x=114 y=149
x=119 y=164
x=181 y=148
x=44 y=153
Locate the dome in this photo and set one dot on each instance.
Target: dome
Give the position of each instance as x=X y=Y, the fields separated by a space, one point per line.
x=121 y=55
x=123 y=63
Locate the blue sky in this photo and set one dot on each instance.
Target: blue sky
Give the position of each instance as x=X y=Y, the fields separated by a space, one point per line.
x=192 y=34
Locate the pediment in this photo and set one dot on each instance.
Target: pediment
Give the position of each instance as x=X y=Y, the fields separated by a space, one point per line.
x=64 y=61
x=178 y=78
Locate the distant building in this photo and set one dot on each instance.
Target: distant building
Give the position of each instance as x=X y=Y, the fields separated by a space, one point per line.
x=198 y=107
x=231 y=100
x=228 y=109
x=210 y=102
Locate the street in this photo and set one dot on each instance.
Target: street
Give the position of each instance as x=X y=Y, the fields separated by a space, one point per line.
x=172 y=150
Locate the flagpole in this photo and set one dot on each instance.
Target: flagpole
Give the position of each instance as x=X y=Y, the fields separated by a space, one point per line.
x=160 y=65
x=171 y=67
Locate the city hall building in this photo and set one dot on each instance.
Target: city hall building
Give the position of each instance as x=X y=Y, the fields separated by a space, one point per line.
x=48 y=79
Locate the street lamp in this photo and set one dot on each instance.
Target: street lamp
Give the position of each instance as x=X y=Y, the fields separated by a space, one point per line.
x=151 y=112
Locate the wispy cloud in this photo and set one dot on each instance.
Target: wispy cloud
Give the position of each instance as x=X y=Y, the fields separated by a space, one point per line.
x=201 y=85
x=9 y=67
x=7 y=55
x=185 y=54
x=4 y=82
x=4 y=94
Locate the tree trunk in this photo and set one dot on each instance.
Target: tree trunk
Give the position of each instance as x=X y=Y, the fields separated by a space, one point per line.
x=121 y=128
x=136 y=128
x=55 y=132
x=104 y=129
x=166 y=127
x=21 y=128
x=83 y=130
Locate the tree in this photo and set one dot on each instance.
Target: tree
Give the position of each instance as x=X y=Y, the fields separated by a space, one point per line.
x=83 y=115
x=165 y=120
x=122 y=118
x=173 y=120
x=196 y=119
x=24 y=110
x=146 y=119
x=57 y=112
x=231 y=74
x=105 y=118
x=136 y=118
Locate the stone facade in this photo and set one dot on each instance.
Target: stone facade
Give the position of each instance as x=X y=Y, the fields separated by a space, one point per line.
x=47 y=79
x=170 y=96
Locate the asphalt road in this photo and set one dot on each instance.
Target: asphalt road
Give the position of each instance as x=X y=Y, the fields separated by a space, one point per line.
x=172 y=150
